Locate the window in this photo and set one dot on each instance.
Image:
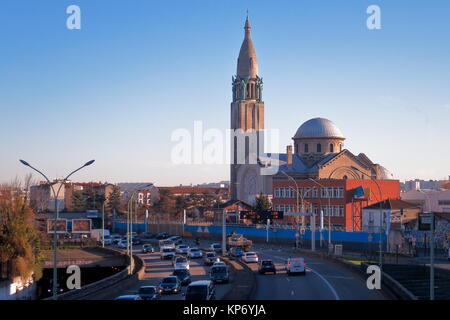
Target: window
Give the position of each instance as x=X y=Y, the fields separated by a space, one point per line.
x=335 y=192
x=307 y=192
x=314 y=192
x=341 y=192
x=319 y=148
x=306 y=148
x=331 y=148
x=282 y=195
x=341 y=211
x=340 y=147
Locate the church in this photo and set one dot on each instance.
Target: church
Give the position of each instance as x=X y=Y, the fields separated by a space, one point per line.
x=316 y=166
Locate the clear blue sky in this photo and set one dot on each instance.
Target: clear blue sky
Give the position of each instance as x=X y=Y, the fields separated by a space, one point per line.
x=115 y=90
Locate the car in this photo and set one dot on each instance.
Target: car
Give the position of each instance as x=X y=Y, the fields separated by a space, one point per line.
x=216 y=247
x=295 y=265
x=122 y=244
x=219 y=273
x=146 y=235
x=182 y=248
x=129 y=297
x=250 y=256
x=135 y=239
x=170 y=284
x=200 y=290
x=116 y=238
x=146 y=248
x=176 y=239
x=210 y=258
x=161 y=236
x=266 y=266
x=236 y=252
x=166 y=244
x=181 y=262
x=194 y=253
x=219 y=263
x=149 y=293
x=183 y=275
x=167 y=253
x=107 y=240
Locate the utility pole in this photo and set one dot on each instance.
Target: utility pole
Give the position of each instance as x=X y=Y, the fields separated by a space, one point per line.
x=224 y=242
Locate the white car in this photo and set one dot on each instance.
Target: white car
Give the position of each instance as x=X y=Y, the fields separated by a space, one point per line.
x=216 y=247
x=194 y=253
x=182 y=248
x=167 y=253
x=219 y=264
x=250 y=257
x=181 y=263
x=296 y=265
x=122 y=244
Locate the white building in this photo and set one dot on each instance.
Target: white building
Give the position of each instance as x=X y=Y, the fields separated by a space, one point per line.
x=429 y=200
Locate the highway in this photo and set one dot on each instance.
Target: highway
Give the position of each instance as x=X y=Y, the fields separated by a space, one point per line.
x=323 y=280
x=156 y=269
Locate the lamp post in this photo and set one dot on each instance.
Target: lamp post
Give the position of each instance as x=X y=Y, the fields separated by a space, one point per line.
x=329 y=209
x=130 y=226
x=431 y=244
x=55 y=195
x=381 y=215
x=298 y=193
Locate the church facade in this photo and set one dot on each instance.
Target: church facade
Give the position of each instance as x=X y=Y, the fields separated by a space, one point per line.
x=317 y=157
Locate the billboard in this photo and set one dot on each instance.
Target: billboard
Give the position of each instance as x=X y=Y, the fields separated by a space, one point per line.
x=81 y=226
x=361 y=193
x=61 y=225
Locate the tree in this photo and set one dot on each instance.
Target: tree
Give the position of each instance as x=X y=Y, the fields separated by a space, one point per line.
x=19 y=240
x=79 y=201
x=262 y=203
x=114 y=199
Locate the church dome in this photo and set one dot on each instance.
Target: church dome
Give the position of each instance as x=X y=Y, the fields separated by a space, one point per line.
x=319 y=128
x=247 y=63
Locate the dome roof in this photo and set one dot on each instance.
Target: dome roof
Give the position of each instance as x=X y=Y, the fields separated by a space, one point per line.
x=319 y=128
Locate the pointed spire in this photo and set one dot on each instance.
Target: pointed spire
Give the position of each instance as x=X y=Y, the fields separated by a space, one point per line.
x=247 y=63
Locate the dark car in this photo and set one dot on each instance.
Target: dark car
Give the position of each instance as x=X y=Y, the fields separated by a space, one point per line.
x=183 y=275
x=161 y=236
x=266 y=266
x=219 y=274
x=170 y=284
x=200 y=290
x=149 y=293
x=147 y=248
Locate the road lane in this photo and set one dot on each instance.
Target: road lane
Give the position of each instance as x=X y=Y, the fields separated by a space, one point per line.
x=156 y=269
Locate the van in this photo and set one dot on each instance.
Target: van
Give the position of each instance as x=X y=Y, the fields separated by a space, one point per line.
x=296 y=265
x=166 y=244
x=200 y=290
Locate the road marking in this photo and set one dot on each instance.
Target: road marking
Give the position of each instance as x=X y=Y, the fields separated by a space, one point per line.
x=336 y=296
x=339 y=277
x=288 y=279
x=292 y=292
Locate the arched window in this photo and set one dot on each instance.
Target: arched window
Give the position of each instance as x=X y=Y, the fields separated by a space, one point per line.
x=306 y=148
x=331 y=148
x=296 y=148
x=340 y=147
x=345 y=177
x=319 y=147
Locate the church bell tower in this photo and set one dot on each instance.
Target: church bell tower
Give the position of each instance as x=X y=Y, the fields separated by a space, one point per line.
x=247 y=123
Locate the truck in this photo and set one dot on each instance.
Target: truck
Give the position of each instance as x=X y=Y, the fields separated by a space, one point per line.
x=97 y=234
x=238 y=240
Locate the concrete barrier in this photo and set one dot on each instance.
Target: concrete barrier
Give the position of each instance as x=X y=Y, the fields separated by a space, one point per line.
x=244 y=284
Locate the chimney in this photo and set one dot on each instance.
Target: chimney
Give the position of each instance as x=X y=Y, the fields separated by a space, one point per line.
x=289 y=155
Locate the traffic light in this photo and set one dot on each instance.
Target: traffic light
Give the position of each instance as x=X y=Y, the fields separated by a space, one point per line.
x=277 y=214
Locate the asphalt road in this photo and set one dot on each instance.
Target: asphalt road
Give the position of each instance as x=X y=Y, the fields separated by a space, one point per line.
x=156 y=269
x=323 y=281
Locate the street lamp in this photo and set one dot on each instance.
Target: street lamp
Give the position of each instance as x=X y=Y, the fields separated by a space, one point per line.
x=381 y=214
x=431 y=244
x=55 y=195
x=298 y=193
x=329 y=209
x=130 y=225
